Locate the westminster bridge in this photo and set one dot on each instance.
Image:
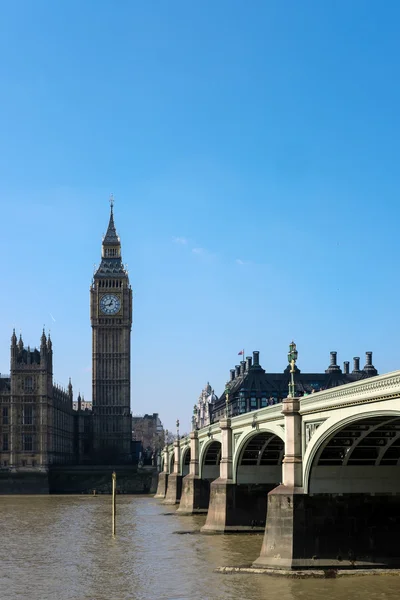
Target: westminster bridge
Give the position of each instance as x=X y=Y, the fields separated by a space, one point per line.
x=319 y=474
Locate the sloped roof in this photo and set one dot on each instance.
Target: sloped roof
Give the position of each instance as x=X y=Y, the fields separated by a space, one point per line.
x=110 y=267
x=111 y=236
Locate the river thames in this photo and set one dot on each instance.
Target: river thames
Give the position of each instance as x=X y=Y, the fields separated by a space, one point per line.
x=61 y=548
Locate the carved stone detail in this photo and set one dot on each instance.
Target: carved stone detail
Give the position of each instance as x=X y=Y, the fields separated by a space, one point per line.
x=236 y=438
x=310 y=429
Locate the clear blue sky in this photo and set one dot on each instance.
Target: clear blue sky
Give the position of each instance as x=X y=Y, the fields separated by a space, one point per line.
x=253 y=152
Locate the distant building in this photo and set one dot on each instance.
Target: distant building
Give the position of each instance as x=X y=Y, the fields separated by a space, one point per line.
x=83 y=430
x=36 y=419
x=251 y=387
x=82 y=404
x=149 y=431
x=203 y=409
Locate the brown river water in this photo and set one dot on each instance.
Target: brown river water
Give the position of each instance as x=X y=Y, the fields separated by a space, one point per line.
x=61 y=548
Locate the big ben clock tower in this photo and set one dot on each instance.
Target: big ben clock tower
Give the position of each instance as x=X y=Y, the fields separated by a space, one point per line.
x=111 y=319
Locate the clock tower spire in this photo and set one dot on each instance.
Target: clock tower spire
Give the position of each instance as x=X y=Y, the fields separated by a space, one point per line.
x=111 y=320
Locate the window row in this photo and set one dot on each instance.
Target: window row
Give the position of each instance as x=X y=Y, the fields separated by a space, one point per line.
x=27 y=415
x=110 y=283
x=27 y=442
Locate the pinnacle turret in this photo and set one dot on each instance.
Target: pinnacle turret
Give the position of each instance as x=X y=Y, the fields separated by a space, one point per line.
x=111 y=262
x=13 y=338
x=111 y=237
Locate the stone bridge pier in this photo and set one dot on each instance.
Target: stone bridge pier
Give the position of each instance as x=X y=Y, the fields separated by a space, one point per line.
x=163 y=477
x=194 y=498
x=285 y=503
x=221 y=509
x=174 y=489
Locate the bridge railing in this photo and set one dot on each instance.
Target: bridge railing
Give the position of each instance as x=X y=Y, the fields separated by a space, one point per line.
x=381 y=386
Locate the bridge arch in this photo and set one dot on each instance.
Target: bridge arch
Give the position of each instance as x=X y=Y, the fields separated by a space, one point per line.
x=210 y=458
x=258 y=456
x=185 y=461
x=360 y=453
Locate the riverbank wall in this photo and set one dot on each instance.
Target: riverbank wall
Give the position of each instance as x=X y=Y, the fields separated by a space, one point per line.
x=80 y=479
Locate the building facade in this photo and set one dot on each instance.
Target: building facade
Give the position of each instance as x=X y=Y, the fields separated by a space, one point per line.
x=203 y=409
x=250 y=387
x=36 y=418
x=111 y=320
x=148 y=431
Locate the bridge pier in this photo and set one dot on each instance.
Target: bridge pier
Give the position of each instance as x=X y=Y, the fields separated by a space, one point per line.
x=174 y=489
x=194 y=498
x=284 y=531
x=222 y=506
x=163 y=477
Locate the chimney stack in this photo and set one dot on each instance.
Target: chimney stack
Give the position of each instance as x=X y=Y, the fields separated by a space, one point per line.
x=333 y=366
x=248 y=363
x=256 y=358
x=356 y=364
x=232 y=377
x=346 y=367
x=242 y=366
x=237 y=370
x=369 y=367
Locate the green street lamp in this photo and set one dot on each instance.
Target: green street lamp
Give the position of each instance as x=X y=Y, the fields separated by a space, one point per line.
x=292 y=357
x=194 y=427
x=226 y=402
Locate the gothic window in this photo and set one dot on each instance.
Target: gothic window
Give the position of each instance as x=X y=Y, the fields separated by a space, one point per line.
x=5 y=442
x=28 y=384
x=27 y=442
x=5 y=415
x=253 y=403
x=28 y=415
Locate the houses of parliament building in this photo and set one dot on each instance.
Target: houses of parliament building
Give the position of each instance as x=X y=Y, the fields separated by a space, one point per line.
x=38 y=425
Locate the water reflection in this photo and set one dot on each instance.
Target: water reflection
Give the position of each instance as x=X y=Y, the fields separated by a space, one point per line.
x=61 y=548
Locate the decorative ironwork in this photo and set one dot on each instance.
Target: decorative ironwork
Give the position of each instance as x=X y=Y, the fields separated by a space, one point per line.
x=292 y=357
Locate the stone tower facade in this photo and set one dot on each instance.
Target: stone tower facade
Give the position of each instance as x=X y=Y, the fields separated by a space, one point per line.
x=36 y=420
x=111 y=320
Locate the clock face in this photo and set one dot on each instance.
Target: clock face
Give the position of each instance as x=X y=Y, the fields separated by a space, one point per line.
x=110 y=304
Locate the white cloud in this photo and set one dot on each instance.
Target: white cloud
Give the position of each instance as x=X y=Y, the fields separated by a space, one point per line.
x=180 y=240
x=198 y=250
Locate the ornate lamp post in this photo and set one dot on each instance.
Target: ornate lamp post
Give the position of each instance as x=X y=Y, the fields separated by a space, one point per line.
x=177 y=429
x=292 y=357
x=194 y=427
x=227 y=402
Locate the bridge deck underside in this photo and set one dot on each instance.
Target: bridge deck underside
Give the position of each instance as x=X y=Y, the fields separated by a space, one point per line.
x=362 y=457
x=260 y=460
